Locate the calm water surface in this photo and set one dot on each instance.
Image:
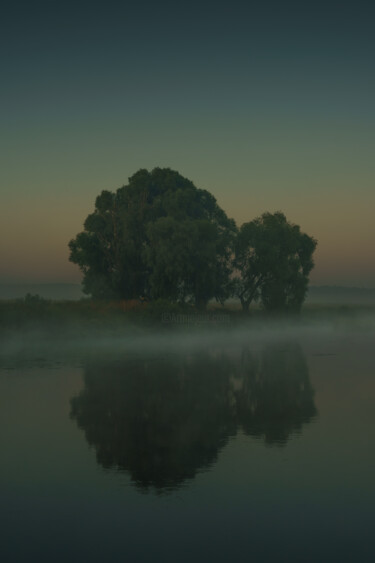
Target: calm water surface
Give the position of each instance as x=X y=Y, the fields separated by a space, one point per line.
x=244 y=448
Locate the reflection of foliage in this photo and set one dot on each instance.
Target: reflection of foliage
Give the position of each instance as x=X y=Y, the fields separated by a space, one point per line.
x=159 y=420
x=276 y=397
x=163 y=420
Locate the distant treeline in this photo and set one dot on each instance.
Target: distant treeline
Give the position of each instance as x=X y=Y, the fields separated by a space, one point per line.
x=334 y=295
x=53 y=291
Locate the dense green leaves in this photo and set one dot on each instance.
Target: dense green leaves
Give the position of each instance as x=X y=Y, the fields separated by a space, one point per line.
x=273 y=260
x=160 y=237
x=188 y=259
x=157 y=237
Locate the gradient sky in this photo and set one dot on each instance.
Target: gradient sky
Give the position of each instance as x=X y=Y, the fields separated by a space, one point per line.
x=269 y=106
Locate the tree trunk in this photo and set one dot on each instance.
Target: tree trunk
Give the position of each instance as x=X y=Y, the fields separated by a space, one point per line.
x=245 y=304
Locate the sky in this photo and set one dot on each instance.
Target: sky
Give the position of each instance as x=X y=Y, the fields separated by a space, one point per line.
x=269 y=106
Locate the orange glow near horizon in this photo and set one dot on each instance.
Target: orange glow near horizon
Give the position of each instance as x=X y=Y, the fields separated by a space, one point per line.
x=36 y=250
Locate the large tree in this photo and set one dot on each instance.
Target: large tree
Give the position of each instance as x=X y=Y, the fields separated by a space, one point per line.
x=157 y=237
x=273 y=260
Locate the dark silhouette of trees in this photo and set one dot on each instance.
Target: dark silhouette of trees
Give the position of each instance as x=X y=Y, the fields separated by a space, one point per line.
x=273 y=260
x=157 y=237
x=189 y=258
x=160 y=237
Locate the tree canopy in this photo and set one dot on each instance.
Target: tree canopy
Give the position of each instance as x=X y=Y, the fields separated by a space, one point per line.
x=160 y=237
x=157 y=237
x=273 y=259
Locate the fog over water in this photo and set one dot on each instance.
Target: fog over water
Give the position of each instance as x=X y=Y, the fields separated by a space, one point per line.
x=198 y=440
x=179 y=333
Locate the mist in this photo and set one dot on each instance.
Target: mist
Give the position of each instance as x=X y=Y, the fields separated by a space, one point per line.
x=187 y=333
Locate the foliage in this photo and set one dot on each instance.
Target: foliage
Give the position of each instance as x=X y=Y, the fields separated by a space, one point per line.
x=157 y=237
x=273 y=259
x=185 y=260
x=160 y=237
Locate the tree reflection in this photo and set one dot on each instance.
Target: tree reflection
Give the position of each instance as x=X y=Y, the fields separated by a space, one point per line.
x=275 y=397
x=161 y=420
x=164 y=419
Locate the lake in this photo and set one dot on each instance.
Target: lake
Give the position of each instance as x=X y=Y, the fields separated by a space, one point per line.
x=231 y=445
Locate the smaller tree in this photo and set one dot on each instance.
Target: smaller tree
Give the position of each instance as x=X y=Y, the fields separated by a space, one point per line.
x=273 y=260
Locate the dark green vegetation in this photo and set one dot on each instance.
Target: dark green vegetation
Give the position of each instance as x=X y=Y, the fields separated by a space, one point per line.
x=157 y=237
x=160 y=237
x=273 y=260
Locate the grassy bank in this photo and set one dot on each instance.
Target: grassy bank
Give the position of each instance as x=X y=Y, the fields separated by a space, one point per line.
x=87 y=316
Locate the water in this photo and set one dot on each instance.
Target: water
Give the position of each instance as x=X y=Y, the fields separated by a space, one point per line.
x=216 y=448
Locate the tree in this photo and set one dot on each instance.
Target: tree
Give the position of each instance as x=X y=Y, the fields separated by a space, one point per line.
x=189 y=258
x=157 y=237
x=273 y=260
